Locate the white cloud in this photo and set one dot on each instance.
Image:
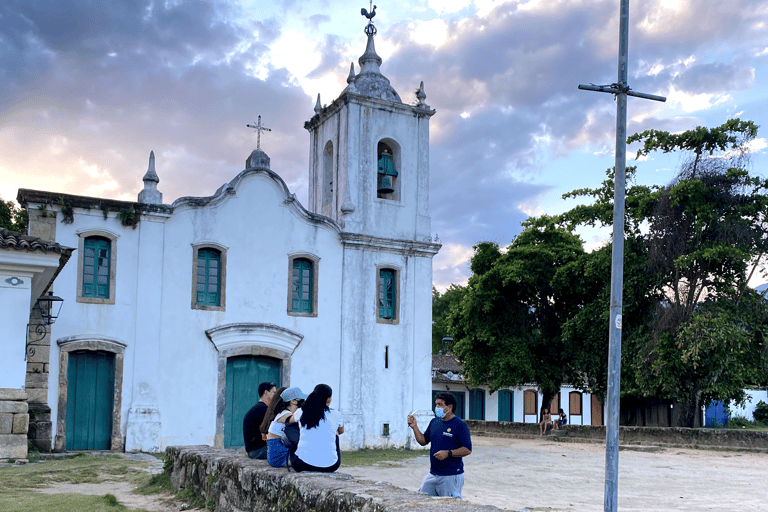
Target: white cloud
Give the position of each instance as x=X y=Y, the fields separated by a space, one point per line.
x=432 y=32
x=449 y=6
x=694 y=102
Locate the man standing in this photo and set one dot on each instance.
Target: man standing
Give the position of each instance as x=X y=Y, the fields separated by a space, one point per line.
x=450 y=440
x=255 y=445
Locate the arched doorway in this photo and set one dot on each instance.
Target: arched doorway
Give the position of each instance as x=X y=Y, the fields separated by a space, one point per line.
x=244 y=374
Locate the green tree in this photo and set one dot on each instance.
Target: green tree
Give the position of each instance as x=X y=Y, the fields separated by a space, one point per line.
x=442 y=305
x=508 y=326
x=13 y=217
x=697 y=242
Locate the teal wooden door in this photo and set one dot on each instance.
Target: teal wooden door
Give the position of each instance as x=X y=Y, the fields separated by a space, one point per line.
x=476 y=404
x=506 y=405
x=244 y=374
x=90 y=393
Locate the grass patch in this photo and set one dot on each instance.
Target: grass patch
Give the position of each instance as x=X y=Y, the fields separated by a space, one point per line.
x=371 y=456
x=739 y=422
x=17 y=483
x=35 y=502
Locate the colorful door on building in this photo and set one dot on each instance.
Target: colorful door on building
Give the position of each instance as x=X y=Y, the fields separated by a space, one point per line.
x=477 y=404
x=90 y=395
x=716 y=415
x=506 y=405
x=244 y=374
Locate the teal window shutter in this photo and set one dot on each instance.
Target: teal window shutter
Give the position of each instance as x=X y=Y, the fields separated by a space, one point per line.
x=208 y=277
x=301 y=286
x=97 y=257
x=387 y=293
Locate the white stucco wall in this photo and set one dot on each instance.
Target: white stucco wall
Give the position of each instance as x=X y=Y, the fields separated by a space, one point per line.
x=18 y=269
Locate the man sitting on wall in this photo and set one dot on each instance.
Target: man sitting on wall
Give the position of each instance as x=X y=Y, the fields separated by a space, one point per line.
x=255 y=443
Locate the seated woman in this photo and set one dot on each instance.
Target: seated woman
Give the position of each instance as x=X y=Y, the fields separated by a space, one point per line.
x=280 y=412
x=561 y=420
x=320 y=429
x=546 y=422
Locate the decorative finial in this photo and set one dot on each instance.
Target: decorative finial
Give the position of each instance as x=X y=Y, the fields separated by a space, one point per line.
x=259 y=129
x=351 y=77
x=318 y=105
x=421 y=95
x=369 y=28
x=150 y=194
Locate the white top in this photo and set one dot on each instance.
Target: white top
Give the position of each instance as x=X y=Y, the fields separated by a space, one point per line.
x=317 y=446
x=276 y=427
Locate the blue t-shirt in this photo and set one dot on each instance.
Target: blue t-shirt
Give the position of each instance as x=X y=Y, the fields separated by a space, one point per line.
x=447 y=435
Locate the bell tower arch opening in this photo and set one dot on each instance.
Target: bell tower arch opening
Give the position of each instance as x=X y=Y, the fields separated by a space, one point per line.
x=388 y=168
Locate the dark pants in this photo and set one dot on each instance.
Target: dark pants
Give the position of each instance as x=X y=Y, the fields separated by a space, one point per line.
x=299 y=465
x=258 y=453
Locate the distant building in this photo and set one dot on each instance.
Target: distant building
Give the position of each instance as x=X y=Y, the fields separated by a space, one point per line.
x=521 y=404
x=174 y=313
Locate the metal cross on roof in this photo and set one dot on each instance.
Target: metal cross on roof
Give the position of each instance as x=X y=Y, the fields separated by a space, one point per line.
x=259 y=129
x=621 y=90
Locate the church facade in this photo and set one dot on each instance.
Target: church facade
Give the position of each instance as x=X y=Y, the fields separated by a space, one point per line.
x=174 y=313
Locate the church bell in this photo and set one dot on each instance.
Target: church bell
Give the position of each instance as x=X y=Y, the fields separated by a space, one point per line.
x=386 y=173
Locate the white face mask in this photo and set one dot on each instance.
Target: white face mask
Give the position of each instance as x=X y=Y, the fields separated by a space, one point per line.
x=440 y=412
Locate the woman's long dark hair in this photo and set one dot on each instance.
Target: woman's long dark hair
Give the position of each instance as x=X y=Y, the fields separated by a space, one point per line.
x=315 y=406
x=276 y=406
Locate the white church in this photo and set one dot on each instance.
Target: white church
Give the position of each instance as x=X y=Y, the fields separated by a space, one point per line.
x=174 y=313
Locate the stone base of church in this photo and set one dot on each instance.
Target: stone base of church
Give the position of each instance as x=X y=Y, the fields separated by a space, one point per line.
x=142 y=431
x=40 y=427
x=14 y=423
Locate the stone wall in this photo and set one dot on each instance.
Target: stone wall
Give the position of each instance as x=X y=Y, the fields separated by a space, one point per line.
x=39 y=350
x=756 y=440
x=14 y=422
x=232 y=482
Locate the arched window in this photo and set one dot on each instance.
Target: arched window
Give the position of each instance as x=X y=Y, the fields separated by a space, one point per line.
x=97 y=262
x=327 y=177
x=388 y=177
x=387 y=294
x=301 y=286
x=208 y=289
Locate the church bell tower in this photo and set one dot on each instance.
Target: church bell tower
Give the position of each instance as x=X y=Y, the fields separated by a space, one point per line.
x=369 y=155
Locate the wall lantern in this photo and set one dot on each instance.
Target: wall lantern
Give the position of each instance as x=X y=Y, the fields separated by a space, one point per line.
x=48 y=306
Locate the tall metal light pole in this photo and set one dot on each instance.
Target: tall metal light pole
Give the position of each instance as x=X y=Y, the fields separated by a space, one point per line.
x=621 y=91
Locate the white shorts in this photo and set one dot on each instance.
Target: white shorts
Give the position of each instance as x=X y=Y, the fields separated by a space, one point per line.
x=435 y=485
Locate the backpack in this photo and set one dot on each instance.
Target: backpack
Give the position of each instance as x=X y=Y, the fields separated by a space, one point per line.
x=291 y=439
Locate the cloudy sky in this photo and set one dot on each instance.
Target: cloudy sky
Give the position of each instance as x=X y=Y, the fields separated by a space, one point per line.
x=89 y=87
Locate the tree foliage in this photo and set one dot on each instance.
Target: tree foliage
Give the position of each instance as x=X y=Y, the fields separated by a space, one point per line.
x=13 y=217
x=442 y=305
x=694 y=244
x=508 y=326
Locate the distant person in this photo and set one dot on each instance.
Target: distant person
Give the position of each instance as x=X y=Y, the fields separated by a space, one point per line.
x=561 y=420
x=320 y=428
x=280 y=412
x=451 y=442
x=255 y=443
x=546 y=422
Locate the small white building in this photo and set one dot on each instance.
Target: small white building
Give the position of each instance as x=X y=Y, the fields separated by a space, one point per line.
x=174 y=313
x=520 y=404
x=28 y=266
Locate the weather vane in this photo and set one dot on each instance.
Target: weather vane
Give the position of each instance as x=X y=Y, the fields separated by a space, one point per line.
x=259 y=129
x=370 y=29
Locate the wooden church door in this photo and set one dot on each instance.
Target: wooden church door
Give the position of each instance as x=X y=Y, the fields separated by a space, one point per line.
x=244 y=374
x=90 y=395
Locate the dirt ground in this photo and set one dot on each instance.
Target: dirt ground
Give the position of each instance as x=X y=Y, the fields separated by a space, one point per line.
x=543 y=475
